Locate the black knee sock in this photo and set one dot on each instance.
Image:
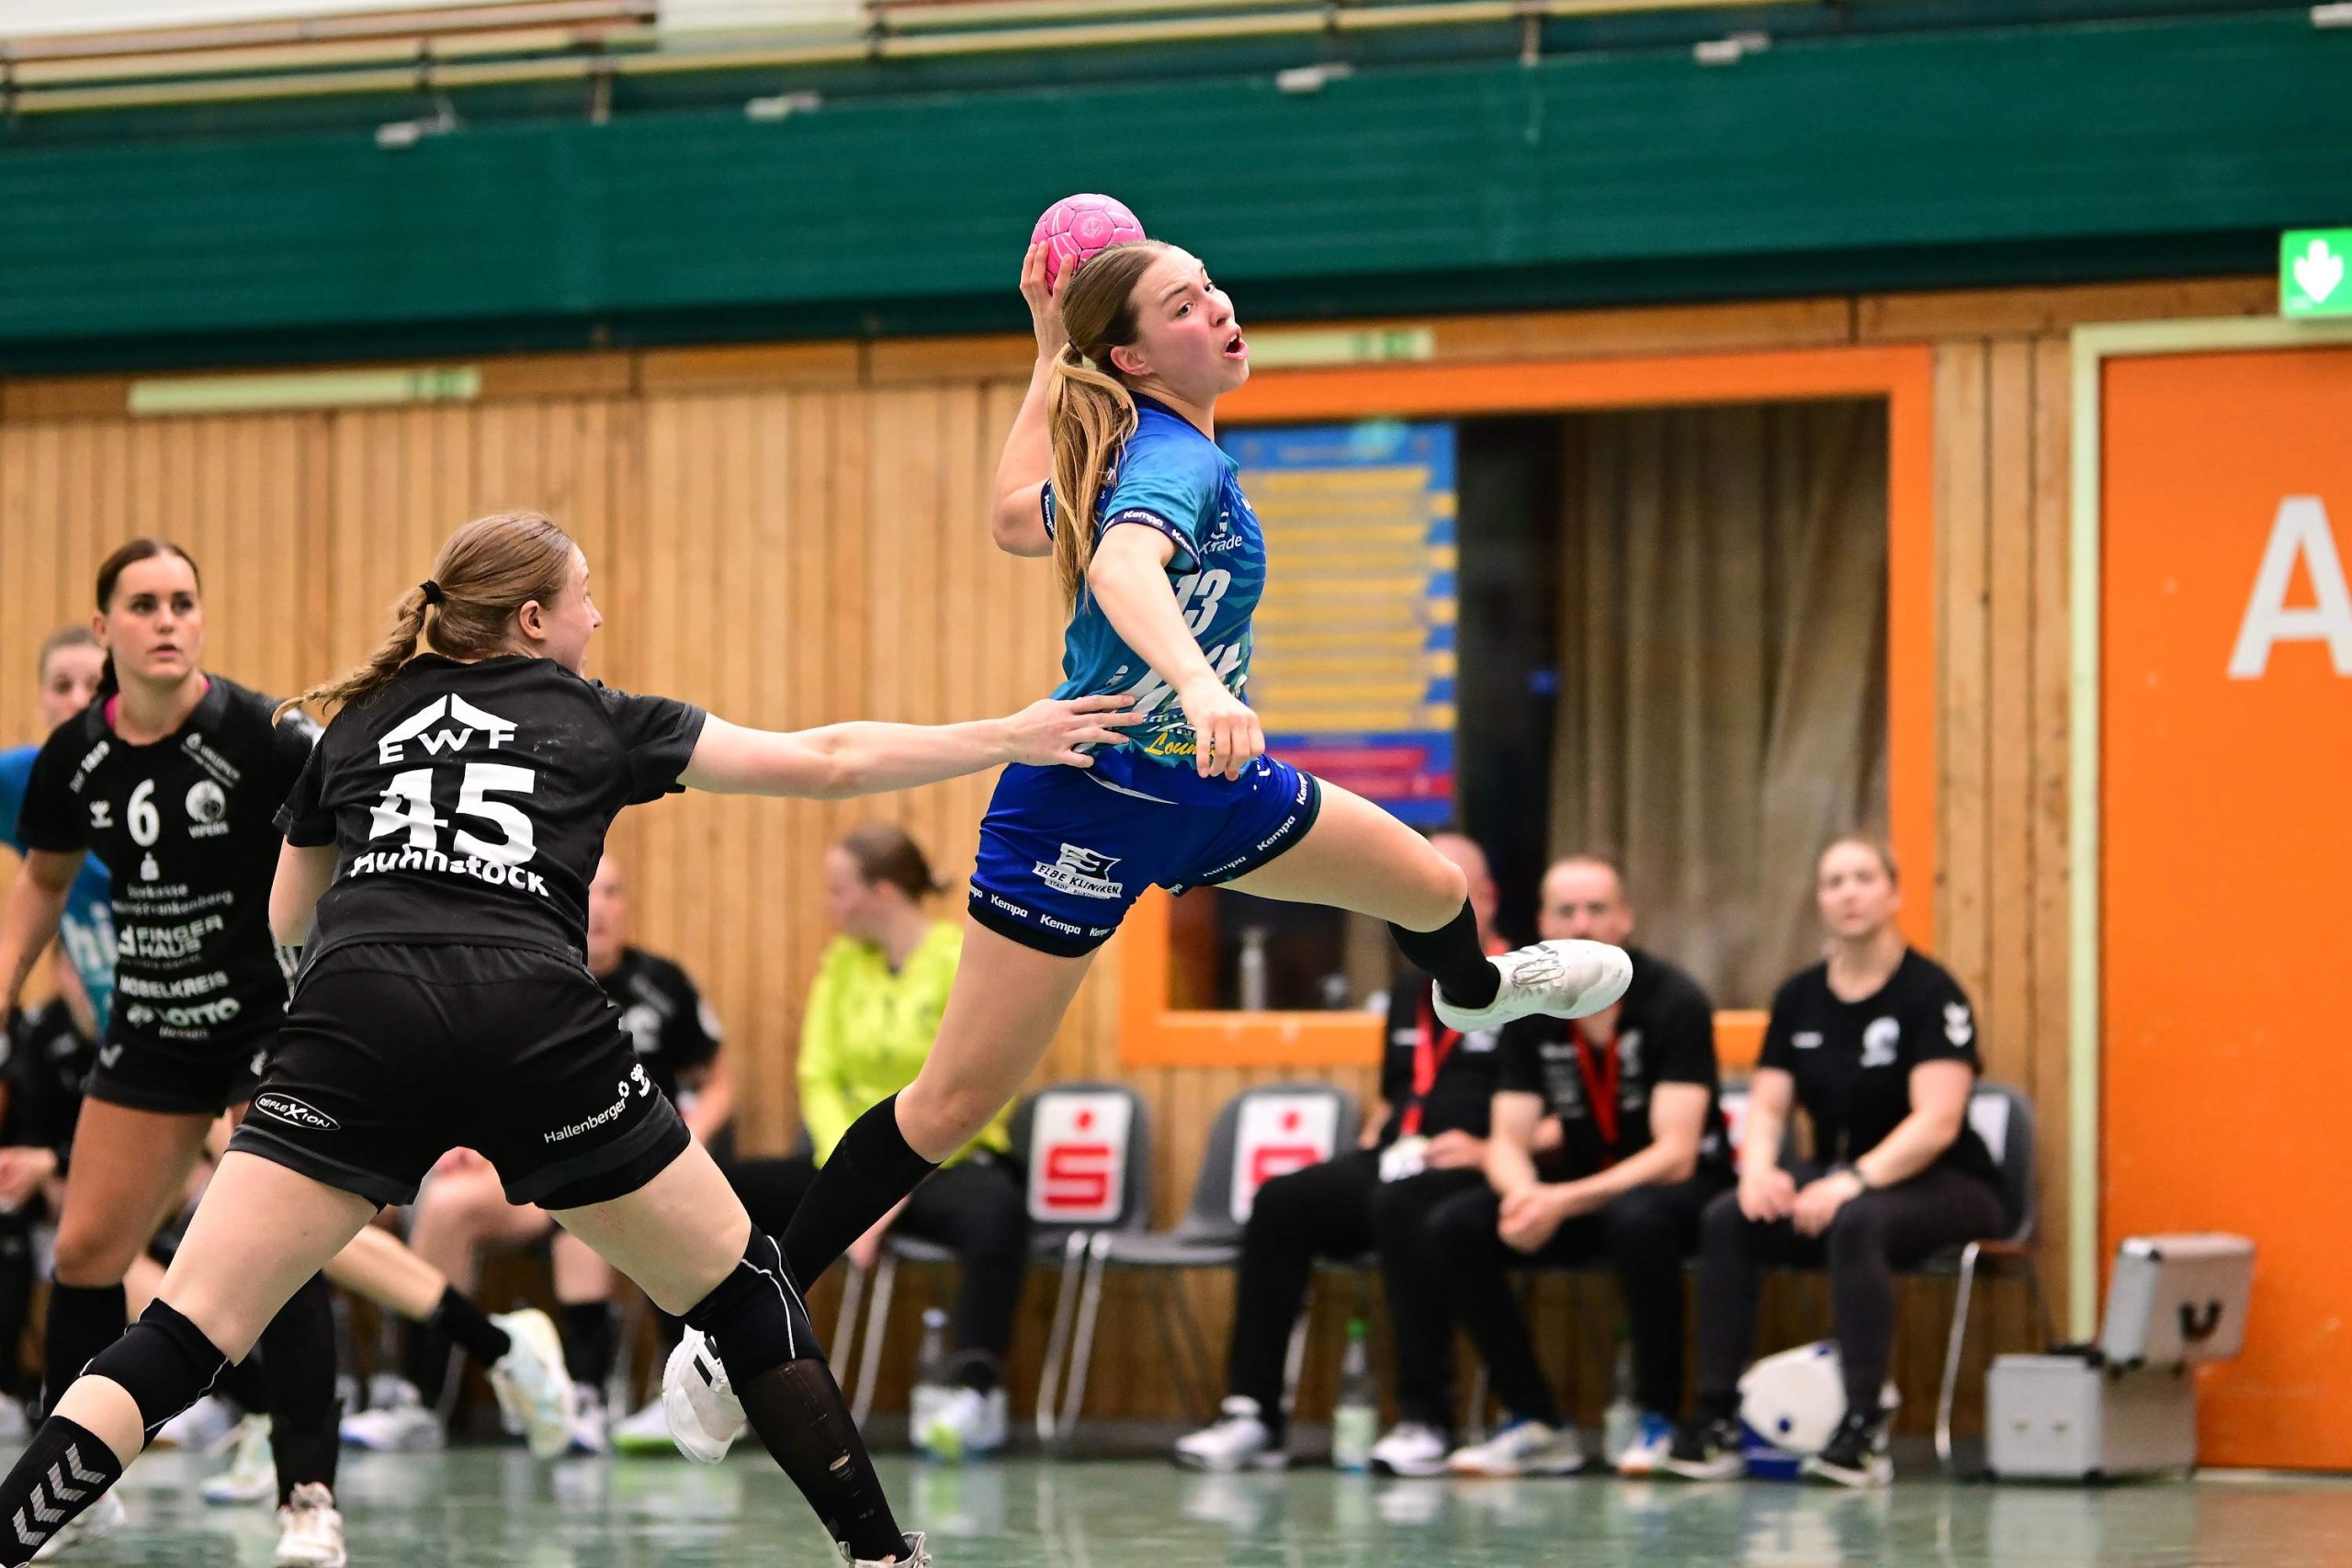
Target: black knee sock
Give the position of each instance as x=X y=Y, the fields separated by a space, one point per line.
x=424 y=1361
x=759 y=1327
x=16 y=1300
x=1453 y=953
x=82 y=1321
x=463 y=1323
x=54 y=1480
x=591 y=1344
x=247 y=1384
x=870 y=1169
x=298 y=1364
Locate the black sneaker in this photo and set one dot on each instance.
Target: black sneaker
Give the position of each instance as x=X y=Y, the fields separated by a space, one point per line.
x=1856 y=1454
x=1705 y=1447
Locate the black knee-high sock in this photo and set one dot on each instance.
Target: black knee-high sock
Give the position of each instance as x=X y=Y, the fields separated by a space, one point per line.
x=759 y=1327
x=82 y=1321
x=246 y=1384
x=871 y=1168
x=298 y=1364
x=591 y=1344
x=463 y=1323
x=1453 y=953
x=424 y=1361
x=66 y=1469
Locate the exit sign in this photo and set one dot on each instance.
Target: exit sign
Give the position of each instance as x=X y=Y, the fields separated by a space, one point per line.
x=2312 y=264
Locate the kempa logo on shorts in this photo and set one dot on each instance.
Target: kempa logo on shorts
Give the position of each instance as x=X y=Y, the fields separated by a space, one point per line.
x=464 y=720
x=288 y=1109
x=1080 y=873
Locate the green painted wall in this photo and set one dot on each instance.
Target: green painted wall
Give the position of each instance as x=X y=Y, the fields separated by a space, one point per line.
x=1883 y=162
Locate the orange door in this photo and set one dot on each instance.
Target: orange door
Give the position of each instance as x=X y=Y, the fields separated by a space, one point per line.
x=2226 y=793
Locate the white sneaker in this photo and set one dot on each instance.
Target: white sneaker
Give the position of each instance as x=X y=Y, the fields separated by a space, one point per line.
x=647 y=1432
x=197 y=1427
x=1653 y=1440
x=103 y=1517
x=400 y=1424
x=310 y=1531
x=964 y=1424
x=1566 y=979
x=915 y=1554
x=1239 y=1440
x=704 y=1416
x=1522 y=1448
x=590 y=1432
x=1411 y=1448
x=252 y=1475
x=534 y=1394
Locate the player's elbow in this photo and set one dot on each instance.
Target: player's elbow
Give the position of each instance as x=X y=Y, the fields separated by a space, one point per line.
x=1016 y=529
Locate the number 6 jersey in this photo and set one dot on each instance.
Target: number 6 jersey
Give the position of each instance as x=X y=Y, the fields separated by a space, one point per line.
x=184 y=825
x=469 y=803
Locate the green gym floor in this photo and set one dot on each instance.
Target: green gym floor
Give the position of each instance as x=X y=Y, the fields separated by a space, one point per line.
x=493 y=1507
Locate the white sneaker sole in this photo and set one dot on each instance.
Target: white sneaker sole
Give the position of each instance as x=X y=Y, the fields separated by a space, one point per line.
x=688 y=1429
x=1272 y=1460
x=547 y=1430
x=1611 y=972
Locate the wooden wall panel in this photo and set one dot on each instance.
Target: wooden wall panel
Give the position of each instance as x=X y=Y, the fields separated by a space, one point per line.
x=792 y=536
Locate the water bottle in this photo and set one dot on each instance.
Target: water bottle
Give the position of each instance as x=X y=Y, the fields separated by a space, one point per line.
x=930 y=1372
x=1253 y=978
x=1355 y=1417
x=1622 y=1425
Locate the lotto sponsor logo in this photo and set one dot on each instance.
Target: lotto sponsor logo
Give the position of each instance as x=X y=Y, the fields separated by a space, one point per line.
x=183 y=1021
x=1081 y=874
x=445 y=724
x=496 y=873
x=287 y=1109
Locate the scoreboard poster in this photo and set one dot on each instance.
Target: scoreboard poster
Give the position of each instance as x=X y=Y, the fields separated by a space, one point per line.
x=1353 y=666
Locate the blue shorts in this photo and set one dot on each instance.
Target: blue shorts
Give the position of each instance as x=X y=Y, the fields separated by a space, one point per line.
x=1066 y=851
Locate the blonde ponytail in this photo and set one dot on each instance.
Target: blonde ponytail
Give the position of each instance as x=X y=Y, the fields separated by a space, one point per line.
x=397 y=648
x=1089 y=412
x=486 y=572
x=1088 y=416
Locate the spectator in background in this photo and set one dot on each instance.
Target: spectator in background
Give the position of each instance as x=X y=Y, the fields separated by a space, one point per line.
x=1427 y=1146
x=1633 y=1091
x=1877 y=1044
x=873 y=1012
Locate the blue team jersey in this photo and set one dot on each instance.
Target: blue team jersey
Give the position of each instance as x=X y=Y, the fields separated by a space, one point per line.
x=86 y=927
x=1171 y=477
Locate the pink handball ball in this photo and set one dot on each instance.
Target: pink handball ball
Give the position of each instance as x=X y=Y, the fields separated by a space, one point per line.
x=1075 y=227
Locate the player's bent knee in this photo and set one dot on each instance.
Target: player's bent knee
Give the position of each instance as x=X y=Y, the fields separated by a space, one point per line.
x=164 y=1362
x=88 y=1257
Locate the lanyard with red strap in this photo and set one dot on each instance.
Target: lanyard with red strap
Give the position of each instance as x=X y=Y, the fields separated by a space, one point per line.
x=1431 y=1048
x=1601 y=1090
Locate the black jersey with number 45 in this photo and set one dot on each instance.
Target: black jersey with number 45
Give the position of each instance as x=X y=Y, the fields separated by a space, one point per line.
x=469 y=803
x=184 y=824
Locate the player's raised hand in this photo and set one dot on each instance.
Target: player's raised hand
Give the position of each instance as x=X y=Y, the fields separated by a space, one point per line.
x=1226 y=734
x=1044 y=301
x=1052 y=731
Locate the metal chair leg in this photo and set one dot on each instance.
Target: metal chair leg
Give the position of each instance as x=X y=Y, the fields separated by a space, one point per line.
x=1089 y=1309
x=1057 y=1337
x=877 y=1319
x=844 y=1345
x=1294 y=1363
x=1957 y=1343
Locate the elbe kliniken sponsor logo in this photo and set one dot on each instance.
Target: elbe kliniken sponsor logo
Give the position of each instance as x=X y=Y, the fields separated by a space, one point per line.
x=288 y=1109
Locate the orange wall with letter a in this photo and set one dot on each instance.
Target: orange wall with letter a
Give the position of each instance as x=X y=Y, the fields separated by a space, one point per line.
x=2226 y=885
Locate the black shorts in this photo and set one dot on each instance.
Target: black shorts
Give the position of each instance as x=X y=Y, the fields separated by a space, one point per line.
x=175 y=1078
x=392 y=1054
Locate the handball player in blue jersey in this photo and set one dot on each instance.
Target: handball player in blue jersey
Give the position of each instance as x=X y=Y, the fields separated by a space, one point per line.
x=71 y=664
x=1112 y=469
